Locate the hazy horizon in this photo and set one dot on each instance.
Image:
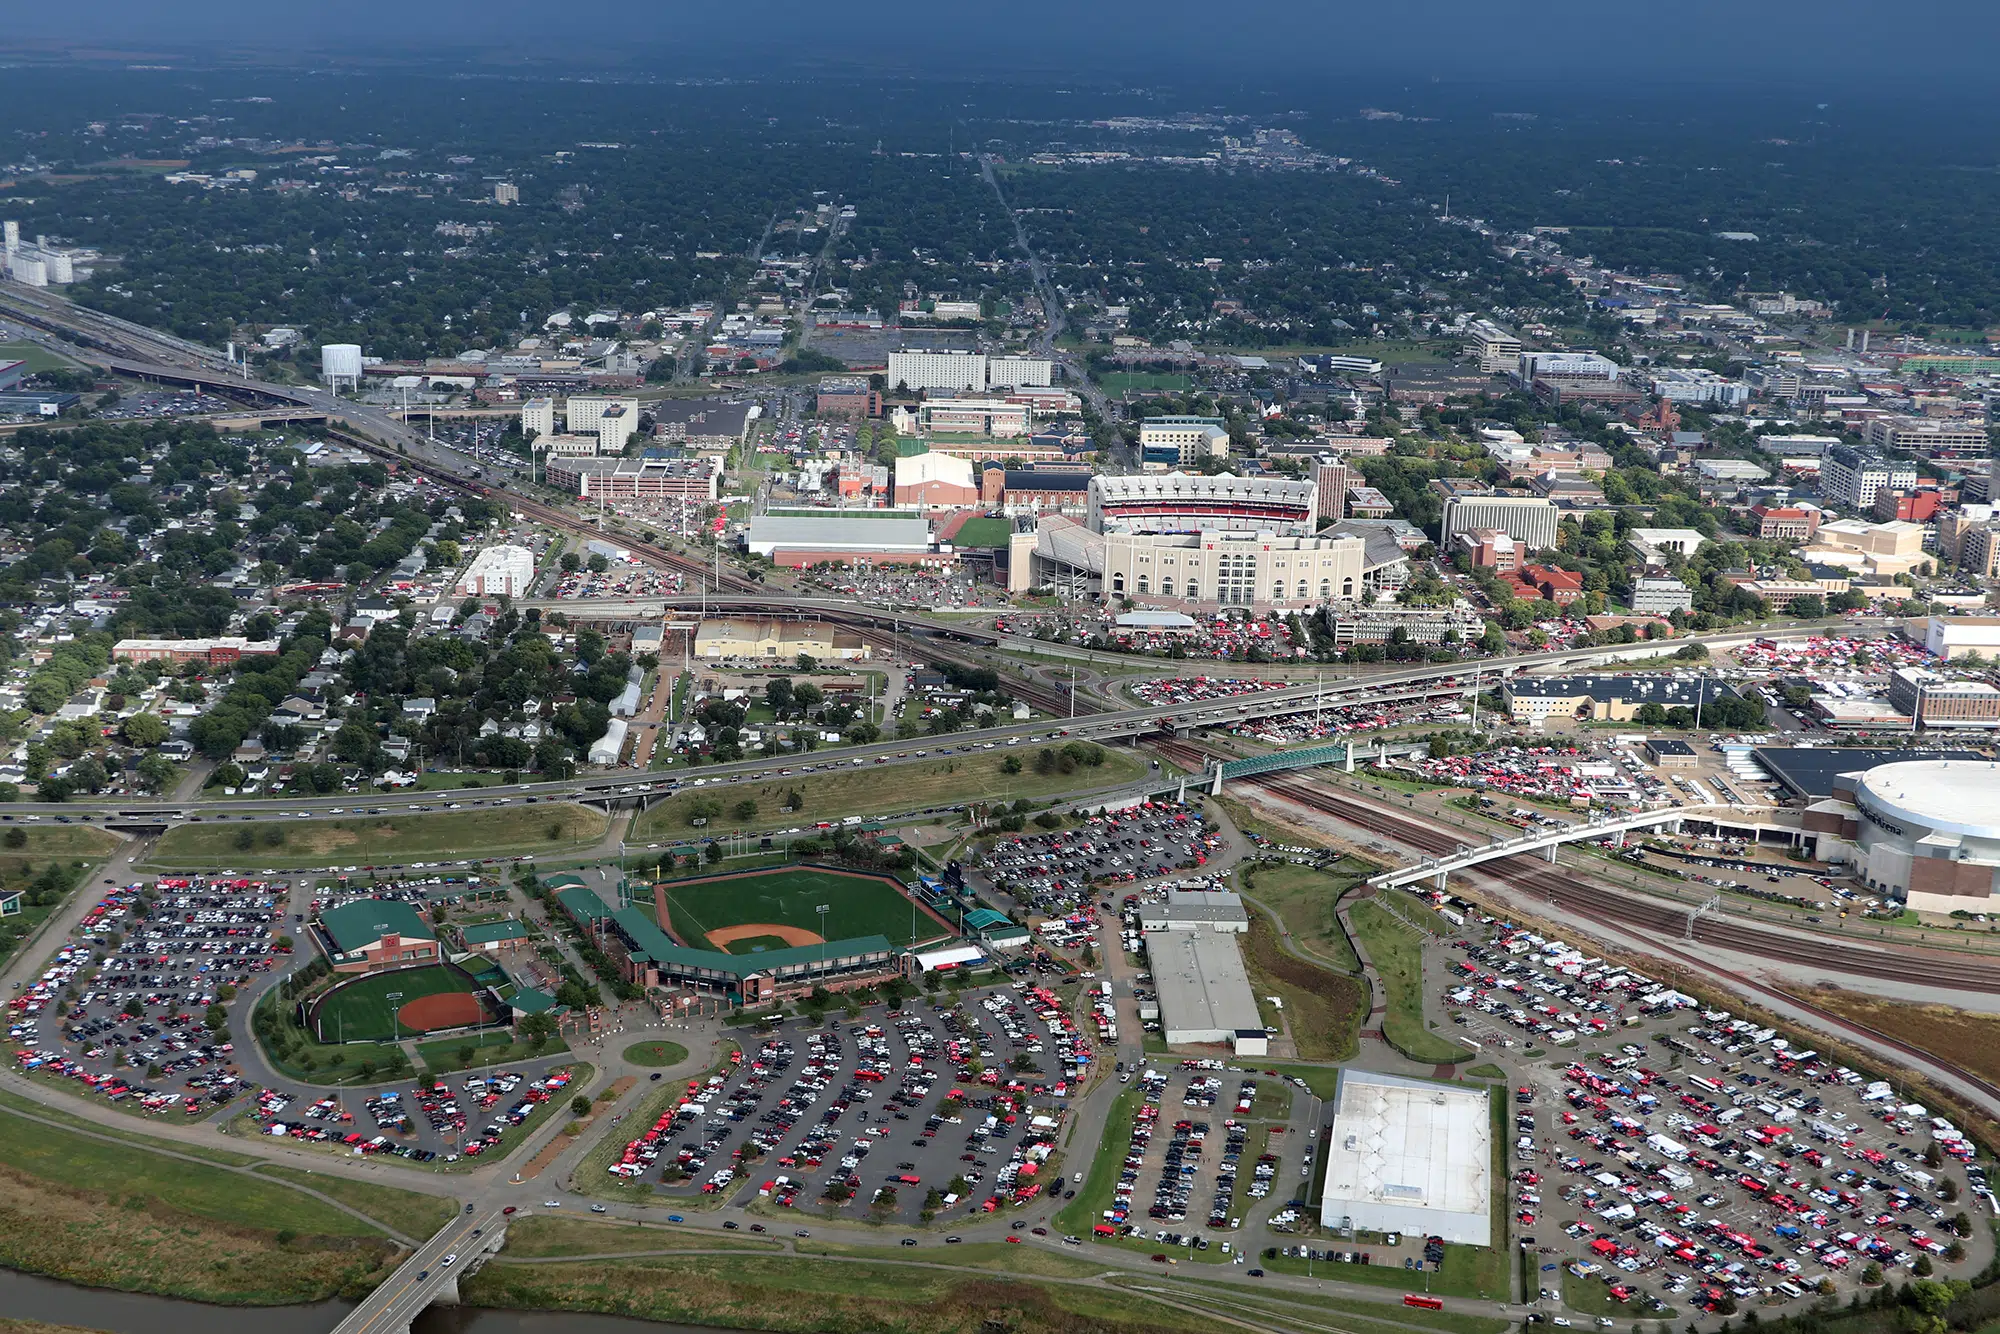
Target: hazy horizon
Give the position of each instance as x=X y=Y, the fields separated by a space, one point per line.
x=1788 y=43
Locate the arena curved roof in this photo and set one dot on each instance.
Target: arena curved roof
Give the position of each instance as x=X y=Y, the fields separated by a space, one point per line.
x=1954 y=796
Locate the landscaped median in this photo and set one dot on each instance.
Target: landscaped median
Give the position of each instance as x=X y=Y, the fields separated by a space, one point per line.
x=379 y=840
x=120 y=1213
x=1395 y=947
x=842 y=789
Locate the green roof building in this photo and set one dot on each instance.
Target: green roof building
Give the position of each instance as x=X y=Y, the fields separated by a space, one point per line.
x=375 y=933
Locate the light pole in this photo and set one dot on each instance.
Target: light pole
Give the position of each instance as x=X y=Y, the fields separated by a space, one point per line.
x=822 y=909
x=395 y=1012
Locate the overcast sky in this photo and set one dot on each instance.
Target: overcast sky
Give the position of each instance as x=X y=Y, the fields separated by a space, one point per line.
x=1790 y=41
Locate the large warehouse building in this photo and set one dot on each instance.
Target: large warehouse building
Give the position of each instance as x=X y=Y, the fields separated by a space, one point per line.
x=812 y=540
x=1204 y=993
x=1925 y=832
x=1410 y=1156
x=766 y=640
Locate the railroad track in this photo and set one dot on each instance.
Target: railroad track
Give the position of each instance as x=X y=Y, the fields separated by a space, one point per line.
x=1611 y=906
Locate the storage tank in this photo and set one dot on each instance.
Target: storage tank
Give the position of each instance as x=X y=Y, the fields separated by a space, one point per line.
x=340 y=364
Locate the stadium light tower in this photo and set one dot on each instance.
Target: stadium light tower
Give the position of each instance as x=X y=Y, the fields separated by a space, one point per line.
x=822 y=909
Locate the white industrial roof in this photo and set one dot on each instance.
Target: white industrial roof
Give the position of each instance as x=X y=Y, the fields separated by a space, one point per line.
x=1409 y=1155
x=1202 y=987
x=768 y=532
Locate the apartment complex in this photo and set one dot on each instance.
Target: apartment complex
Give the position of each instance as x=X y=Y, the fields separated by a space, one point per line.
x=1852 y=477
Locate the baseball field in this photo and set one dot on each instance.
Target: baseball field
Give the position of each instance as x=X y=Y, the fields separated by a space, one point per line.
x=440 y=996
x=778 y=909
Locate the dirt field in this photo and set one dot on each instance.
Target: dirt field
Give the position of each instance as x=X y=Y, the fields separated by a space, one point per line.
x=1966 y=1040
x=725 y=936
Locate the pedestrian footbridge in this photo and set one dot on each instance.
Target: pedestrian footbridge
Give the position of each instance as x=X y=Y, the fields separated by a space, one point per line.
x=1544 y=840
x=430 y=1275
x=1343 y=753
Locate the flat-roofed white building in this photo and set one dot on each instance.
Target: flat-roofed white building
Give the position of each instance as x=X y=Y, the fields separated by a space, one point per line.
x=538 y=417
x=1411 y=1156
x=1204 y=992
x=582 y=412
x=1195 y=438
x=504 y=569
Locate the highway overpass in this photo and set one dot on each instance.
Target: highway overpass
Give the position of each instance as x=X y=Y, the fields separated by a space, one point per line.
x=430 y=1275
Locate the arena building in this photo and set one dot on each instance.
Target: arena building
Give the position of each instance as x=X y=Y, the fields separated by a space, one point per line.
x=1410 y=1156
x=1924 y=832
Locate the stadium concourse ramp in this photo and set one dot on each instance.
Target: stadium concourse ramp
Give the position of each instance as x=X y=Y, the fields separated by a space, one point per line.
x=431 y=1274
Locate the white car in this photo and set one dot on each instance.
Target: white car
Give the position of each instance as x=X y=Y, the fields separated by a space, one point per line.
x=449 y=1259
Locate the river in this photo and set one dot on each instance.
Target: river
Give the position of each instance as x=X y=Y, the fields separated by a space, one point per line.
x=29 y=1297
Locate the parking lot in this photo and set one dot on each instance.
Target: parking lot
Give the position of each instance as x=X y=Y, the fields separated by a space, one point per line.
x=954 y=1111
x=423 y=1123
x=1056 y=874
x=1666 y=1156
x=137 y=1028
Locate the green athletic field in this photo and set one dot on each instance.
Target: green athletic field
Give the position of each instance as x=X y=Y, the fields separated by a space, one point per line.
x=361 y=1009
x=859 y=905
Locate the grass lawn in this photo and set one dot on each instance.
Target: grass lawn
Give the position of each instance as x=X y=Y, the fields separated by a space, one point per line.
x=73 y=848
x=983 y=532
x=1488 y=1071
x=1323 y=1009
x=531 y=1236
x=795 y=1293
x=362 y=1008
x=1321 y=1079
x=1081 y=1214
x=333 y=1064
x=1309 y=1309
x=873 y=790
x=39 y=358
x=409 y=1212
x=496 y=1048
x=1395 y=946
x=1592 y=1296
x=655 y=1052
x=1306 y=899
x=384 y=839
x=118 y=1216
x=1145 y=382
x=860 y=905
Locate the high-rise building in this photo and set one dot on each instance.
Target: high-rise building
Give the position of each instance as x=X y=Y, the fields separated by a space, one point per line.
x=1497 y=348
x=1191 y=439
x=538 y=417
x=506 y=192
x=1850 y=476
x=582 y=412
x=1333 y=477
x=922 y=371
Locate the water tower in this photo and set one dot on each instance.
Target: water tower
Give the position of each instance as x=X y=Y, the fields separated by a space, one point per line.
x=340 y=364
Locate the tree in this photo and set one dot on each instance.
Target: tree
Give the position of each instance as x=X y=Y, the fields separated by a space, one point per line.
x=713 y=852
x=571 y=562
x=778 y=694
x=745 y=809
x=144 y=730
x=579 y=1106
